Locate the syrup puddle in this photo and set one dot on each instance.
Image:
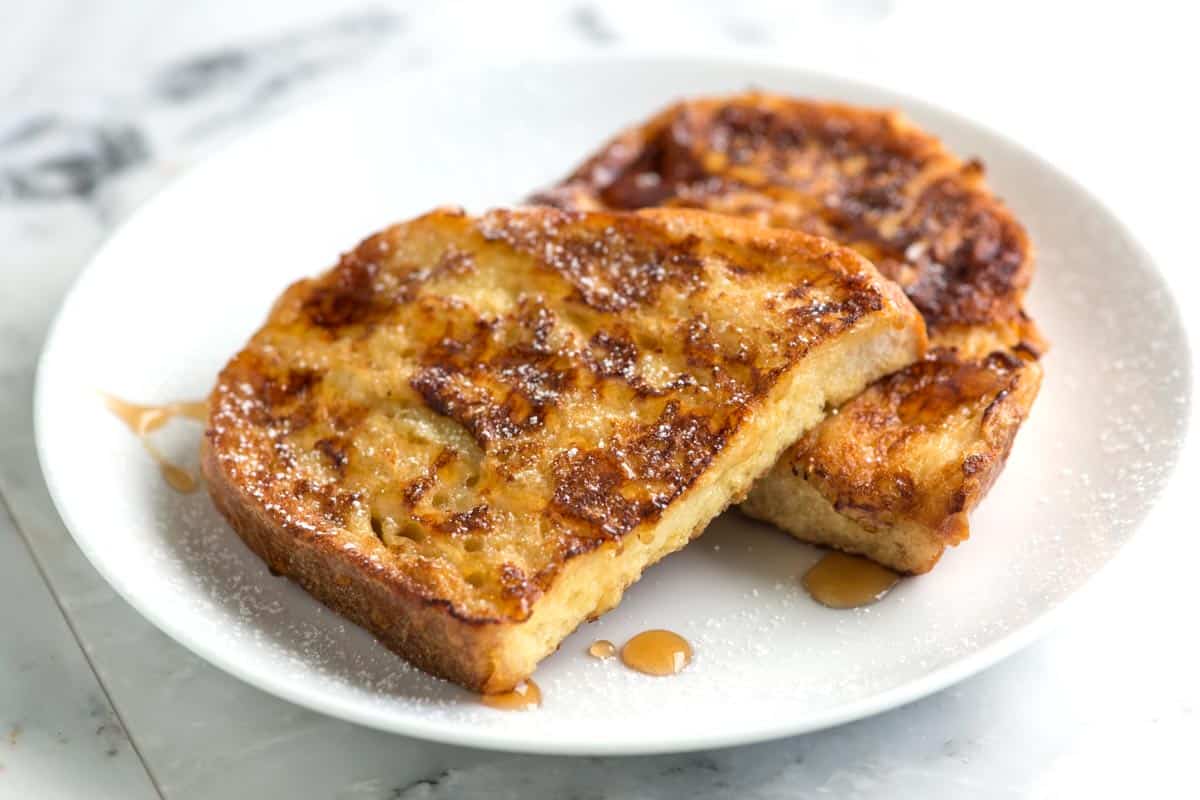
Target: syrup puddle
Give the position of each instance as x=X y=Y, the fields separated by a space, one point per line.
x=525 y=697
x=844 y=581
x=144 y=420
x=602 y=649
x=657 y=652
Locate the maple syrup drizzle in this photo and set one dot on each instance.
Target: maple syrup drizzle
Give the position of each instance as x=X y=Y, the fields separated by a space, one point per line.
x=844 y=581
x=525 y=697
x=176 y=476
x=144 y=420
x=602 y=649
x=657 y=652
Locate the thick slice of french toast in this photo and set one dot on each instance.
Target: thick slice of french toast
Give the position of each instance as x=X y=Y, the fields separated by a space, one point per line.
x=474 y=433
x=895 y=472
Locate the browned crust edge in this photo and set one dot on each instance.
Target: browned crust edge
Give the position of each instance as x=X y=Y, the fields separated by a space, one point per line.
x=1002 y=420
x=353 y=579
x=422 y=631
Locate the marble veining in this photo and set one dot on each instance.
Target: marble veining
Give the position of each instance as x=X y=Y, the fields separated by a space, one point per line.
x=55 y=155
x=51 y=157
x=589 y=21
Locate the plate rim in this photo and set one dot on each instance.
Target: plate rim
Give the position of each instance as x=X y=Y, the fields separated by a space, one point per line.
x=455 y=733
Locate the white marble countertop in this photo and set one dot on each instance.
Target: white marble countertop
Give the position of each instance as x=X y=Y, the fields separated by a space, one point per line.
x=101 y=103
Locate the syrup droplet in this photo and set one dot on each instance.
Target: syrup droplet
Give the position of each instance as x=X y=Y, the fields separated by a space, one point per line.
x=144 y=420
x=139 y=419
x=177 y=477
x=602 y=649
x=844 y=581
x=525 y=697
x=657 y=652
x=192 y=409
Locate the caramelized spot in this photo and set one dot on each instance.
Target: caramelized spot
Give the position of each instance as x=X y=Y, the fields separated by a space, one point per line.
x=618 y=356
x=461 y=524
x=454 y=262
x=282 y=401
x=489 y=418
x=416 y=490
x=333 y=504
x=586 y=489
x=675 y=449
x=665 y=164
x=617 y=489
x=515 y=584
x=937 y=387
x=335 y=451
x=971 y=259
x=350 y=297
x=500 y=381
x=858 y=176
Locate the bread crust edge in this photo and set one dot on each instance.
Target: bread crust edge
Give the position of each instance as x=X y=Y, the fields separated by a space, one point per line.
x=420 y=630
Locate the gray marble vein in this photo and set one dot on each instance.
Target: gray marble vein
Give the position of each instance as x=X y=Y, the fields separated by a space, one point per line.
x=49 y=157
x=589 y=22
x=53 y=155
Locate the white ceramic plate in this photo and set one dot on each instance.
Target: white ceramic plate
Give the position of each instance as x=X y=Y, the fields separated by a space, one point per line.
x=187 y=280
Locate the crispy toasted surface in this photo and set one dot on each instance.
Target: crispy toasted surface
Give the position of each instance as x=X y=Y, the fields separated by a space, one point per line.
x=903 y=463
x=472 y=434
x=871 y=180
x=866 y=178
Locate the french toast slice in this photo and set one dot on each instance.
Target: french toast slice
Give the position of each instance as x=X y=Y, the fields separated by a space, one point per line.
x=894 y=474
x=473 y=434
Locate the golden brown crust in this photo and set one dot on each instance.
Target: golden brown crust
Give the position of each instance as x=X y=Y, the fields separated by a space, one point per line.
x=865 y=178
x=921 y=445
x=871 y=180
x=434 y=436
